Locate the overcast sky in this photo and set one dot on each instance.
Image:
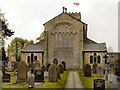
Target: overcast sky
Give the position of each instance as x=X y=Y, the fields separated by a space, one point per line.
x=26 y=17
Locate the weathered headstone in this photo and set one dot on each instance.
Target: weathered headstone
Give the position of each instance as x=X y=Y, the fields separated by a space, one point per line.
x=43 y=68
x=55 y=61
x=53 y=73
x=9 y=66
x=99 y=84
x=61 y=68
x=37 y=65
x=22 y=72
x=99 y=72
x=87 y=70
x=31 y=82
x=94 y=68
x=64 y=64
x=47 y=66
x=39 y=76
x=58 y=71
x=15 y=65
x=6 y=78
x=112 y=69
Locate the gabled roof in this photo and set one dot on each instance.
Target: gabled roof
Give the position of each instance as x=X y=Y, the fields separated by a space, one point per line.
x=33 y=48
x=95 y=47
x=66 y=14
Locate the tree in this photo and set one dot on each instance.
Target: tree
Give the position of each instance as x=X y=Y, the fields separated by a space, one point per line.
x=16 y=45
x=41 y=37
x=110 y=49
x=4 y=33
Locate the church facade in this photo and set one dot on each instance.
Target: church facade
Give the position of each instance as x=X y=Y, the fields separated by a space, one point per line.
x=65 y=38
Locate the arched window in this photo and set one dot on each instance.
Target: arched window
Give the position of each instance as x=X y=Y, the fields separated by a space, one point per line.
x=98 y=59
x=35 y=58
x=95 y=57
x=63 y=36
x=28 y=59
x=91 y=59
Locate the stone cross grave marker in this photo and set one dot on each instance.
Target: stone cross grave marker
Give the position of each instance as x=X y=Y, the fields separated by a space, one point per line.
x=87 y=70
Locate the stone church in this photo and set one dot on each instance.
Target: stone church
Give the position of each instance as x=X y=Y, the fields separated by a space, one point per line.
x=65 y=38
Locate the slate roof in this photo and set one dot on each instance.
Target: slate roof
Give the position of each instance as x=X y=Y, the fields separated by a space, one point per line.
x=95 y=47
x=33 y=48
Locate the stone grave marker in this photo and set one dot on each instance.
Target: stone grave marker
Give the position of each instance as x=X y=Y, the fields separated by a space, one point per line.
x=9 y=66
x=99 y=72
x=15 y=65
x=112 y=69
x=47 y=66
x=43 y=68
x=64 y=64
x=94 y=68
x=31 y=82
x=37 y=65
x=6 y=78
x=28 y=74
x=22 y=72
x=99 y=84
x=15 y=72
x=61 y=68
x=39 y=76
x=55 y=61
x=87 y=70
x=45 y=74
x=30 y=67
x=53 y=73
x=58 y=71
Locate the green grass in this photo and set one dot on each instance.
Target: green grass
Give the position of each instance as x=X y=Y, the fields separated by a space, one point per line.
x=60 y=84
x=87 y=81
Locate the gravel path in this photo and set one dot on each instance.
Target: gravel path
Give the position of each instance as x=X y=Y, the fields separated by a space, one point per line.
x=73 y=80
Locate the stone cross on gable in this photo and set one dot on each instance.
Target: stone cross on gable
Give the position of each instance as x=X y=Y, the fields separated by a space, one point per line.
x=105 y=58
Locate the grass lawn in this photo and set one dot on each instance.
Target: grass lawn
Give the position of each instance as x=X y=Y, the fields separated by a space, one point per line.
x=87 y=81
x=60 y=84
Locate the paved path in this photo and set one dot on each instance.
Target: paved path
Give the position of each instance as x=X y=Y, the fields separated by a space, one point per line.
x=73 y=80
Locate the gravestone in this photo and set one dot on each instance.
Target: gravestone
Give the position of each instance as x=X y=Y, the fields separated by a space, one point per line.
x=31 y=82
x=6 y=78
x=47 y=66
x=99 y=84
x=30 y=67
x=22 y=72
x=99 y=72
x=87 y=70
x=28 y=74
x=39 y=76
x=9 y=66
x=55 y=61
x=15 y=65
x=53 y=73
x=58 y=71
x=3 y=70
x=37 y=65
x=43 y=68
x=112 y=69
x=94 y=68
x=117 y=71
x=45 y=74
x=64 y=64
x=61 y=68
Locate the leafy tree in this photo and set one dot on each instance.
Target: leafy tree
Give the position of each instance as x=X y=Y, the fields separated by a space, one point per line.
x=110 y=49
x=4 y=33
x=16 y=45
x=41 y=37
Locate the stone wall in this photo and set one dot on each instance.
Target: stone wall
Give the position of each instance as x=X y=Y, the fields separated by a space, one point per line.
x=73 y=59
